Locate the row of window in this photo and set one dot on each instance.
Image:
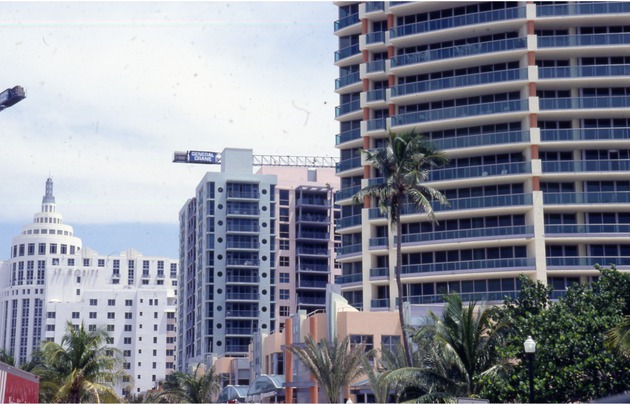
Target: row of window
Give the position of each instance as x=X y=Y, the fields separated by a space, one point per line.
x=19 y=250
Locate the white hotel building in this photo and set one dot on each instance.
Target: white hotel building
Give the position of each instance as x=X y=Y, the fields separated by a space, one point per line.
x=51 y=279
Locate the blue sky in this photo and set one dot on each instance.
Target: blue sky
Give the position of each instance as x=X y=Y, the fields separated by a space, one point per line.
x=114 y=88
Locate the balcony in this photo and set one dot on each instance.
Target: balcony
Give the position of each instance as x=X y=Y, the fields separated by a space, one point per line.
x=346 y=52
x=585 y=262
x=303 y=267
x=243 y=228
x=347 y=193
x=321 y=202
x=460 y=112
x=347 y=80
x=588 y=230
x=496 y=296
x=313 y=235
x=378 y=242
x=372 y=6
x=313 y=219
x=581 y=8
x=242 y=245
x=510 y=264
x=376 y=124
x=560 y=135
x=585 y=166
x=312 y=251
x=347 y=21
x=444 y=174
x=241 y=296
x=311 y=301
x=375 y=66
x=545 y=73
x=350 y=164
x=379 y=303
x=348 y=249
x=246 y=262
x=345 y=279
x=382 y=272
x=312 y=284
x=348 y=107
x=487 y=232
x=459 y=81
x=348 y=221
x=242 y=279
x=375 y=37
x=479 y=202
x=485 y=139
x=239 y=330
x=241 y=313
x=375 y=95
x=471 y=49
x=242 y=194
x=565 y=41
x=579 y=198
x=458 y=21
x=547 y=104
x=348 y=136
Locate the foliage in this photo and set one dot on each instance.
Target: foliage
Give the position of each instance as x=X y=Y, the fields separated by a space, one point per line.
x=572 y=362
x=404 y=163
x=80 y=369
x=618 y=337
x=7 y=357
x=199 y=387
x=334 y=364
x=456 y=349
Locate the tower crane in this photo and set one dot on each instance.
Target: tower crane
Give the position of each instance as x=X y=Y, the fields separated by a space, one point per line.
x=11 y=96
x=209 y=157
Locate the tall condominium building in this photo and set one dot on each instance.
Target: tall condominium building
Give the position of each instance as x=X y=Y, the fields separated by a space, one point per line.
x=227 y=258
x=530 y=101
x=305 y=241
x=50 y=280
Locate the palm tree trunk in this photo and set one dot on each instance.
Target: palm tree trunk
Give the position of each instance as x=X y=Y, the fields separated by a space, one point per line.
x=398 y=271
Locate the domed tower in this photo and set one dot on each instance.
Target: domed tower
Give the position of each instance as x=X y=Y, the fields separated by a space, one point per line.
x=43 y=245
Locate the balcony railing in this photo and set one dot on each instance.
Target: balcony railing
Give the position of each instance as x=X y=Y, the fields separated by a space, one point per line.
x=347 y=108
x=241 y=296
x=250 y=262
x=585 y=166
x=443 y=174
x=578 y=198
x=458 y=21
x=582 y=8
x=243 y=227
x=347 y=52
x=347 y=193
x=486 y=232
x=379 y=272
x=347 y=80
x=378 y=242
x=242 y=244
x=490 y=264
x=242 y=279
x=584 y=102
x=372 y=6
x=346 y=21
x=376 y=124
x=557 y=135
x=348 y=136
x=312 y=251
x=460 y=112
x=354 y=162
x=312 y=284
x=352 y=278
x=588 y=229
x=459 y=81
x=241 y=313
x=311 y=301
x=459 y=51
x=479 y=202
x=583 y=71
x=348 y=249
x=313 y=268
x=588 y=262
x=348 y=221
x=379 y=303
x=376 y=95
x=497 y=296
x=375 y=66
x=375 y=37
x=563 y=41
x=484 y=139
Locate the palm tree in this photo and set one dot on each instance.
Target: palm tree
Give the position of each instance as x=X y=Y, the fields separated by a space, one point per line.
x=333 y=364
x=7 y=357
x=199 y=387
x=379 y=384
x=81 y=369
x=457 y=348
x=618 y=337
x=404 y=163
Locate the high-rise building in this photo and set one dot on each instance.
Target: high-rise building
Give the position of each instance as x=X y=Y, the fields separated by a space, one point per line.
x=531 y=103
x=227 y=258
x=50 y=280
x=305 y=240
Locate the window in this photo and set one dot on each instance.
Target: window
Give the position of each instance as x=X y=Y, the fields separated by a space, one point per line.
x=284 y=294
x=53 y=248
x=284 y=244
x=93 y=302
x=284 y=277
x=75 y=314
x=51 y=314
x=110 y=327
x=86 y=262
x=50 y=327
x=127 y=340
x=390 y=342
x=285 y=311
x=101 y=263
x=126 y=366
x=111 y=315
x=155 y=350
x=128 y=302
x=128 y=316
x=285 y=261
x=368 y=340
x=128 y=327
x=92 y=314
x=127 y=353
x=111 y=302
x=109 y=340
x=92 y=327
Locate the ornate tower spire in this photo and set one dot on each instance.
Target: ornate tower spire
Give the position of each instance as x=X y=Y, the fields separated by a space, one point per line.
x=49 y=197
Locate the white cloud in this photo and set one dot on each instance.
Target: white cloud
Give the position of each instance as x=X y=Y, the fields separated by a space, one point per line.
x=114 y=88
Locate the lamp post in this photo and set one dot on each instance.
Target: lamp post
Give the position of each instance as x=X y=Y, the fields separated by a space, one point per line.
x=530 y=351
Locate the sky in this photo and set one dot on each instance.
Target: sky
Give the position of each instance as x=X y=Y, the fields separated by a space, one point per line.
x=114 y=88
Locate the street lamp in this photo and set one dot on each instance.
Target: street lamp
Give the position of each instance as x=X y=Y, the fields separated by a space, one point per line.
x=530 y=351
